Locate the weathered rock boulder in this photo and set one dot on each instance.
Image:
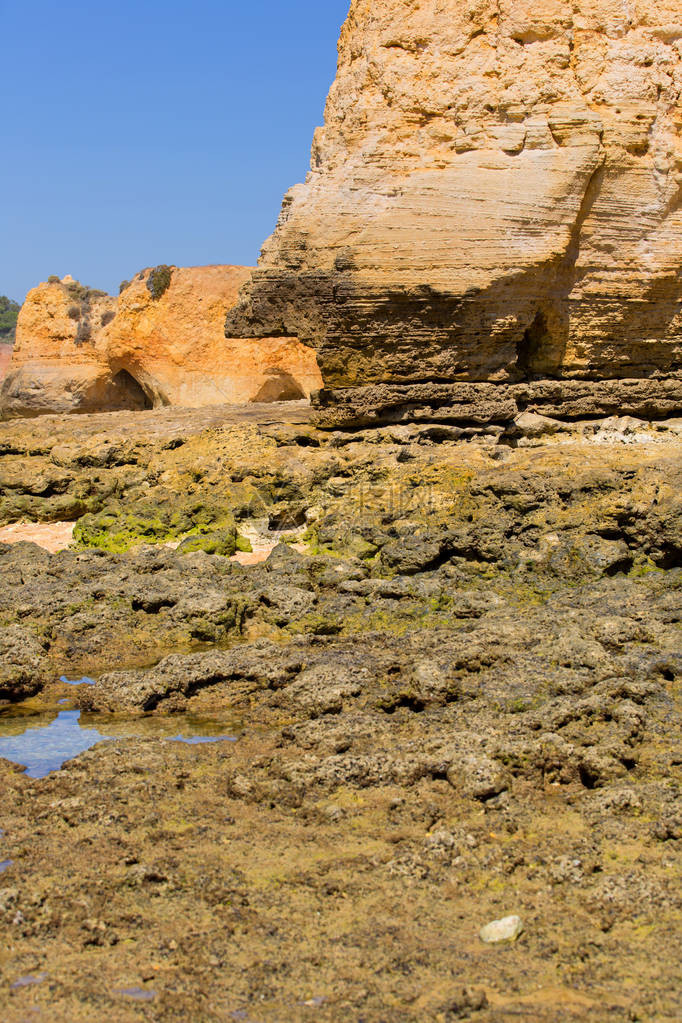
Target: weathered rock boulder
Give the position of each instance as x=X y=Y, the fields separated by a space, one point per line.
x=161 y=342
x=24 y=668
x=494 y=196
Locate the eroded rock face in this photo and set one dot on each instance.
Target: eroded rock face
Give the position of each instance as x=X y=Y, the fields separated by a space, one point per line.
x=175 y=345
x=494 y=197
x=80 y=350
x=57 y=364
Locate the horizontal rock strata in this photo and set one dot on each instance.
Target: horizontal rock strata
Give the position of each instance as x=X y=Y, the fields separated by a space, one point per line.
x=482 y=403
x=495 y=196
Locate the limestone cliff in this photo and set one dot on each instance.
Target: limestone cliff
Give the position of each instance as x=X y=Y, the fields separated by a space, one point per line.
x=160 y=343
x=494 y=196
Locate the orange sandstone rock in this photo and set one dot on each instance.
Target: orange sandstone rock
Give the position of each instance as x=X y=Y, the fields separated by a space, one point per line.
x=5 y=359
x=56 y=365
x=79 y=350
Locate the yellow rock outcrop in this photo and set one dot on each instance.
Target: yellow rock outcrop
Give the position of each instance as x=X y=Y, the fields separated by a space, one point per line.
x=494 y=196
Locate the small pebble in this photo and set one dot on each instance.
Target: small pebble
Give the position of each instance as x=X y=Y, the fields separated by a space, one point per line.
x=507 y=929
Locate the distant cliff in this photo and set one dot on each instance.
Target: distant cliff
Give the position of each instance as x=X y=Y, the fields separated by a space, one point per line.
x=161 y=342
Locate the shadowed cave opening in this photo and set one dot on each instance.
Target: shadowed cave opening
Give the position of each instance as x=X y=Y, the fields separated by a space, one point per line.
x=128 y=395
x=534 y=350
x=280 y=386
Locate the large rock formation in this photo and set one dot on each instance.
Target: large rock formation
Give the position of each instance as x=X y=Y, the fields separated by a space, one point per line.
x=160 y=343
x=495 y=196
x=57 y=365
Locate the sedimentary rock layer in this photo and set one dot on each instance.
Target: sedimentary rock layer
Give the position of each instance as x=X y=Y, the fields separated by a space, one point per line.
x=494 y=196
x=484 y=403
x=160 y=343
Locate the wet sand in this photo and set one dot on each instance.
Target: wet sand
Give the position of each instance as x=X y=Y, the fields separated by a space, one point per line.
x=52 y=536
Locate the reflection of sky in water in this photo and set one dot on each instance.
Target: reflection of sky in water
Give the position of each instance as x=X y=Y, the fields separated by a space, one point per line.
x=139 y=994
x=46 y=748
x=46 y=742
x=28 y=981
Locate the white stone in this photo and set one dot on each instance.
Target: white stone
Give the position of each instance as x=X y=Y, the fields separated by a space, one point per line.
x=507 y=929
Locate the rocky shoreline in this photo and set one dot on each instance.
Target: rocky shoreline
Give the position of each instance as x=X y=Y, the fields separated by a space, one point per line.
x=427 y=630
x=455 y=688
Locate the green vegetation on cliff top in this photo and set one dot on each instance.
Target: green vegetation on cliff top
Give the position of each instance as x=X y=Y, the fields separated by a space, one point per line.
x=9 y=311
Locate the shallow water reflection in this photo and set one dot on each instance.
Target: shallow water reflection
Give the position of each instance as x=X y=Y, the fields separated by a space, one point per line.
x=44 y=742
x=28 y=981
x=138 y=994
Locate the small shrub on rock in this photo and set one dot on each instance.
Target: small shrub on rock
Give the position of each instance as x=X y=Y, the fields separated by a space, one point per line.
x=107 y=317
x=84 y=333
x=159 y=280
x=74 y=312
x=81 y=293
x=9 y=312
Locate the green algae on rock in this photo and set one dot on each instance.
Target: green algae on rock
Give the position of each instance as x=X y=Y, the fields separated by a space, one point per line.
x=163 y=519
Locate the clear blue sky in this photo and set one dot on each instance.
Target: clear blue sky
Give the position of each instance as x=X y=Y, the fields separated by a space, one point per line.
x=155 y=131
